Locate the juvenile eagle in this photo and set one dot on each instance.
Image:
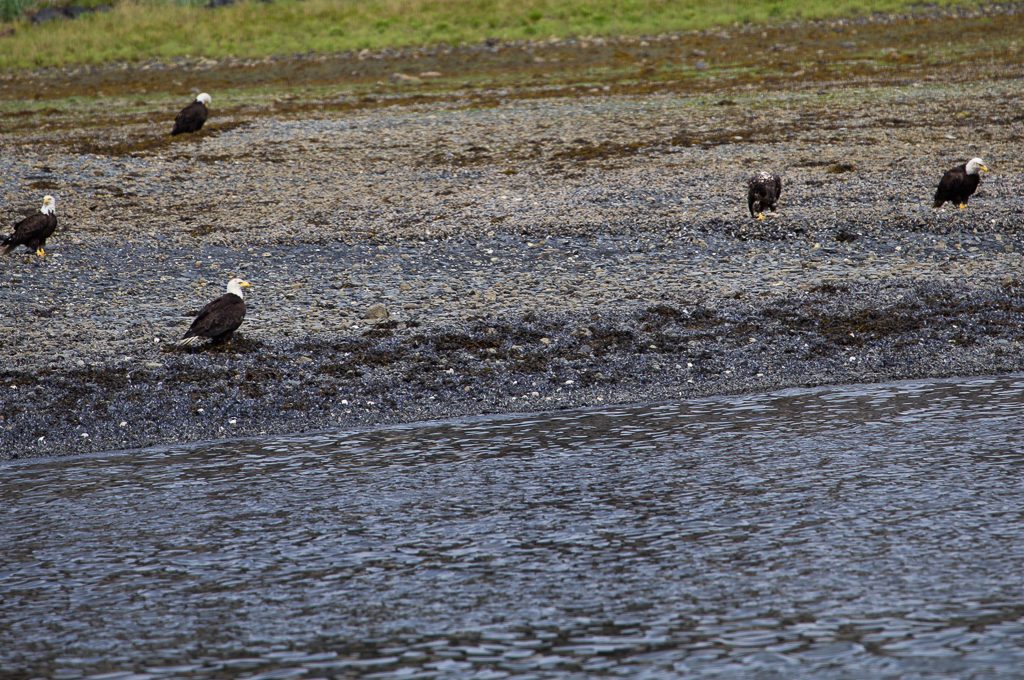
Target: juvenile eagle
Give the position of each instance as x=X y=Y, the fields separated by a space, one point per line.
x=218 y=320
x=957 y=185
x=192 y=117
x=763 y=191
x=33 y=230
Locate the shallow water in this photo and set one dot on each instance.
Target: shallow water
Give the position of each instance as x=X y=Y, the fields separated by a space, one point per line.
x=868 y=531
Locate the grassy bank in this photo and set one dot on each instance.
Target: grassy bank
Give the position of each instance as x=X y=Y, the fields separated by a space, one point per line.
x=138 y=29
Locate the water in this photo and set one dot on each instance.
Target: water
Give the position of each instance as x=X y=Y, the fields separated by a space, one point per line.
x=853 y=532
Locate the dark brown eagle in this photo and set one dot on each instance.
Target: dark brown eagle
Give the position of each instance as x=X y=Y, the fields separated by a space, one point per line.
x=33 y=230
x=218 y=320
x=192 y=117
x=763 y=191
x=957 y=185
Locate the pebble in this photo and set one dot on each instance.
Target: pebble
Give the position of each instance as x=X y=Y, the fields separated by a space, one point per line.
x=376 y=312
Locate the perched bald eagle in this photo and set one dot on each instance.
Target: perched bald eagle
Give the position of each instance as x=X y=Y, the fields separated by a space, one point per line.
x=34 y=230
x=763 y=191
x=218 y=320
x=957 y=185
x=192 y=117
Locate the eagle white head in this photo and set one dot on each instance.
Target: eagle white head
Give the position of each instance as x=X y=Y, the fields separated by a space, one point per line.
x=976 y=164
x=236 y=285
x=204 y=98
x=49 y=205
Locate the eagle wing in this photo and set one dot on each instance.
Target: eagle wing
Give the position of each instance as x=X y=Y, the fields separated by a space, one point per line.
x=950 y=185
x=30 y=228
x=221 y=316
x=190 y=118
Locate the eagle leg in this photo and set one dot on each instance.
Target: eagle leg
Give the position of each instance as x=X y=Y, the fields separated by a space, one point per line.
x=760 y=217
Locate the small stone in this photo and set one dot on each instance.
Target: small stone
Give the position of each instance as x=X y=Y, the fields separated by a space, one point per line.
x=376 y=312
x=545 y=341
x=405 y=78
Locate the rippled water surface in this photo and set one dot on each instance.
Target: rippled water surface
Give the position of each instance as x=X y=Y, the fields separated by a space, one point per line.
x=853 y=532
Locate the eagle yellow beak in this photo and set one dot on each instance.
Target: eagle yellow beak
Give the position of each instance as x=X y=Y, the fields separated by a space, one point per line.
x=245 y=284
x=984 y=168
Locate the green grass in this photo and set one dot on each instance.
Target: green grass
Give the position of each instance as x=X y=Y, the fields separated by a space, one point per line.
x=161 y=29
x=9 y=9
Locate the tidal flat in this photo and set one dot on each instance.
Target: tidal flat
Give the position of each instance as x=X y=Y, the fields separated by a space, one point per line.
x=508 y=227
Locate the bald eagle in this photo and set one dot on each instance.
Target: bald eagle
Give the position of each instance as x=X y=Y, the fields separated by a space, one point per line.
x=34 y=230
x=957 y=185
x=192 y=117
x=218 y=320
x=763 y=191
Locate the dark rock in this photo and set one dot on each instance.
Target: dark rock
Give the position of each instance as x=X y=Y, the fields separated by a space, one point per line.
x=70 y=12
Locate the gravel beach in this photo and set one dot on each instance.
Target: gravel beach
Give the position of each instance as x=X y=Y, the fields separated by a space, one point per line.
x=426 y=240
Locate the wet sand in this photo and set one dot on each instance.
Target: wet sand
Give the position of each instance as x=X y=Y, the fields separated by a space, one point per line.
x=546 y=225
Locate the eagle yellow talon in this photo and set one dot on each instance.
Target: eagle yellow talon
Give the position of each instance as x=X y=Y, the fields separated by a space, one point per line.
x=962 y=206
x=40 y=252
x=760 y=217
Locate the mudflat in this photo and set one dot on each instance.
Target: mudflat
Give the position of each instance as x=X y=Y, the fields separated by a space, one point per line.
x=508 y=227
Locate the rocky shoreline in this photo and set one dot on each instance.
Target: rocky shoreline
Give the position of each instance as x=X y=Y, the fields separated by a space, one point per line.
x=429 y=259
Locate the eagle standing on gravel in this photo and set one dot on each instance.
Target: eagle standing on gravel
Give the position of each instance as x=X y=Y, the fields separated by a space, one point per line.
x=218 y=320
x=33 y=230
x=192 y=117
x=763 y=191
x=957 y=185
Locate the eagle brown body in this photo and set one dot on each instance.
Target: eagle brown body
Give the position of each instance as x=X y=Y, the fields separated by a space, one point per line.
x=219 y=319
x=192 y=117
x=959 y=184
x=763 y=191
x=33 y=231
